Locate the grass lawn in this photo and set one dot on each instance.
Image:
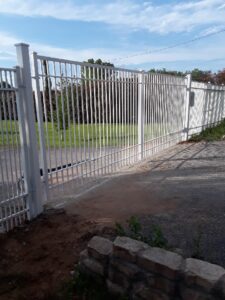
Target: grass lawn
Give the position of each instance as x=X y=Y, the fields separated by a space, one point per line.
x=215 y=133
x=80 y=135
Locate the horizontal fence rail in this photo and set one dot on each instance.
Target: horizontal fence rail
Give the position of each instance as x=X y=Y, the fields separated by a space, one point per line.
x=13 y=205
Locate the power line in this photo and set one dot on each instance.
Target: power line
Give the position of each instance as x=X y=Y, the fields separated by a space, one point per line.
x=171 y=46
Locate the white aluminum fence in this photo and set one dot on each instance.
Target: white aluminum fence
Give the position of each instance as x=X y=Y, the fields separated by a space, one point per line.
x=13 y=192
x=82 y=122
x=164 y=112
x=207 y=106
x=20 y=186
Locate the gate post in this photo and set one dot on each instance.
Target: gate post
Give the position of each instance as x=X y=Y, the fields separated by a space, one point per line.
x=141 y=115
x=39 y=109
x=32 y=159
x=187 y=107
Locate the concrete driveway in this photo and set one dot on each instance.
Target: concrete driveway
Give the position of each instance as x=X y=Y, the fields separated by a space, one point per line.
x=182 y=190
x=187 y=173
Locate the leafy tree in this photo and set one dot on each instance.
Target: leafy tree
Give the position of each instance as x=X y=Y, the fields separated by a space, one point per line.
x=197 y=75
x=220 y=77
x=61 y=116
x=202 y=76
x=167 y=72
x=7 y=101
x=100 y=62
x=90 y=73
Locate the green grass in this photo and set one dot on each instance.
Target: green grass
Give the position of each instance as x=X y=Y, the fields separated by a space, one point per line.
x=80 y=135
x=215 y=133
x=92 y=135
x=9 y=133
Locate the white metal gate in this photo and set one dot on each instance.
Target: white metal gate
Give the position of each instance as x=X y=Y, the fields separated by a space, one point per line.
x=95 y=119
x=82 y=122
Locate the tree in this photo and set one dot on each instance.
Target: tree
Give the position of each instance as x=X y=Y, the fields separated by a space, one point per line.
x=202 y=76
x=220 y=77
x=7 y=102
x=167 y=72
x=100 y=62
x=90 y=73
x=197 y=75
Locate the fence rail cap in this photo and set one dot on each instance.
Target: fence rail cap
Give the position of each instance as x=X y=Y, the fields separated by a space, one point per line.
x=21 y=44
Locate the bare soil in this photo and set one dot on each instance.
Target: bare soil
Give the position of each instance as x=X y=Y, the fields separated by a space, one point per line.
x=37 y=259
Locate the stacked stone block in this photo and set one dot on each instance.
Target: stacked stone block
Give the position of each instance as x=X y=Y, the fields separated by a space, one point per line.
x=133 y=268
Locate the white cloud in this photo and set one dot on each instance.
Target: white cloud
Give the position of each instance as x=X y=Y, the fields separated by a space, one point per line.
x=182 y=53
x=7 y=42
x=8 y=50
x=210 y=30
x=162 y=18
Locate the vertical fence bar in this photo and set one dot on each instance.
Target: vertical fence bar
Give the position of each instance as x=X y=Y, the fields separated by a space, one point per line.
x=32 y=160
x=141 y=115
x=187 y=107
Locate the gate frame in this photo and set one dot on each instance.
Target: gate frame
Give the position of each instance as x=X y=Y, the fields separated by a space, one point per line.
x=31 y=160
x=39 y=110
x=187 y=107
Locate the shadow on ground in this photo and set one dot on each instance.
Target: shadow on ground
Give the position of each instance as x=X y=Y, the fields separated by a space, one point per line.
x=182 y=189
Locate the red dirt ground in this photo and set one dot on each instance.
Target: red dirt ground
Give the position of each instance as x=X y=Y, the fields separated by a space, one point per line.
x=122 y=197
x=38 y=257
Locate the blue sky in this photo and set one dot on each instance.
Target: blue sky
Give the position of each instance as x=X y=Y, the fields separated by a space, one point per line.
x=79 y=30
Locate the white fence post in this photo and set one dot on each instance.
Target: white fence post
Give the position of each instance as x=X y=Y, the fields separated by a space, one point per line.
x=39 y=109
x=141 y=115
x=187 y=108
x=22 y=132
x=32 y=159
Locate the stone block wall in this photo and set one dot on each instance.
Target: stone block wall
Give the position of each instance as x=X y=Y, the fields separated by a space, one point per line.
x=132 y=268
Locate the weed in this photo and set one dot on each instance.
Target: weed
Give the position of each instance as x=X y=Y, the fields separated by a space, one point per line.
x=134 y=225
x=120 y=231
x=210 y=134
x=134 y=231
x=197 y=251
x=157 y=238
